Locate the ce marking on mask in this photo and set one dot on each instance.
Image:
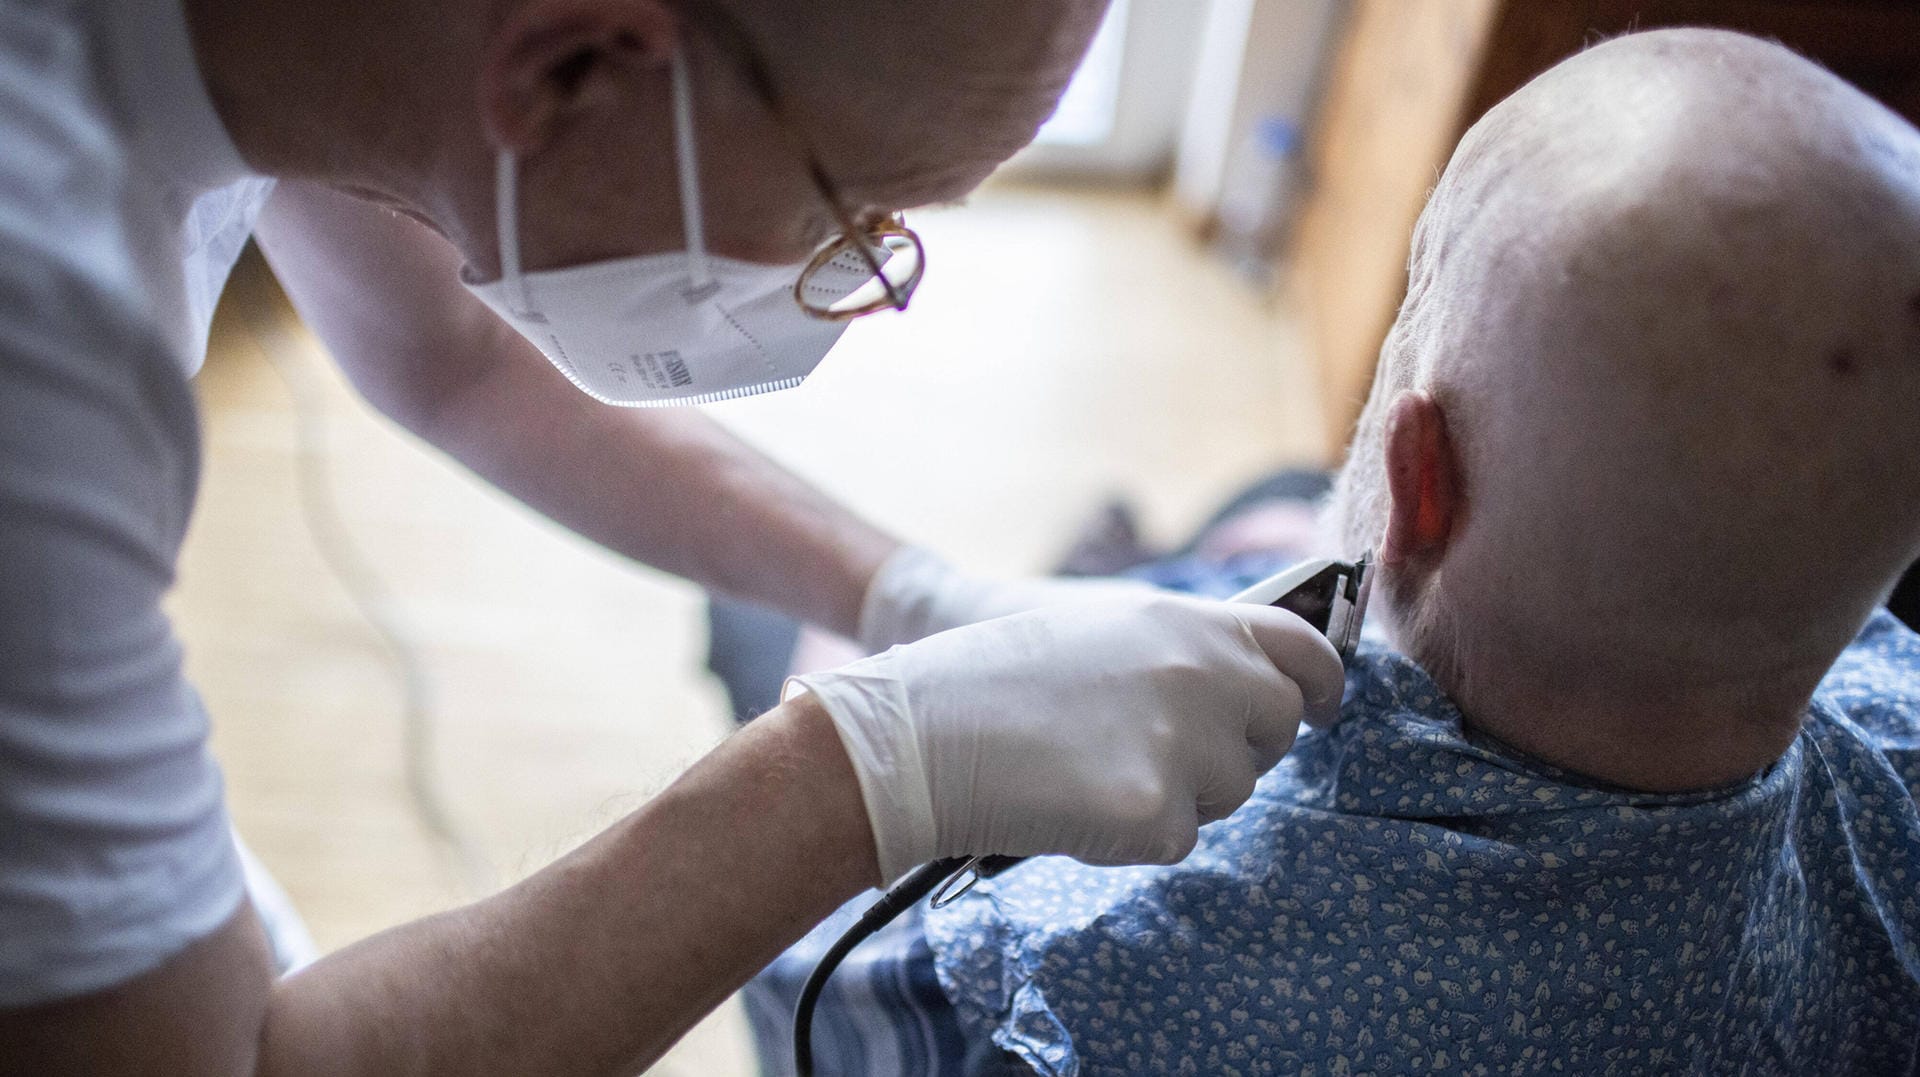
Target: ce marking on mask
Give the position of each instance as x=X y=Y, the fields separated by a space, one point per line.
x=655 y=370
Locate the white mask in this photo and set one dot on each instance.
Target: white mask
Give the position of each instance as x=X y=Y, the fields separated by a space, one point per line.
x=666 y=329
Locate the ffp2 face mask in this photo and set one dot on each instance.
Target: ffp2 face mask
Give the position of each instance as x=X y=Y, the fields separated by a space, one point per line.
x=665 y=329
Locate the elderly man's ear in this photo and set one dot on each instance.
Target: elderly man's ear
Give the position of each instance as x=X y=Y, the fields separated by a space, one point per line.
x=1423 y=479
x=553 y=60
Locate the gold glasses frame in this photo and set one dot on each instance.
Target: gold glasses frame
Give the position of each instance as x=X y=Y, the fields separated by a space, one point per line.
x=870 y=239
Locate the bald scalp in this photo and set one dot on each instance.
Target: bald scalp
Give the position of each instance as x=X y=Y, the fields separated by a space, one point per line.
x=1668 y=295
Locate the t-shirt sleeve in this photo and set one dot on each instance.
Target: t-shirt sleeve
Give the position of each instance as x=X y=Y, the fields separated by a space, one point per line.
x=115 y=852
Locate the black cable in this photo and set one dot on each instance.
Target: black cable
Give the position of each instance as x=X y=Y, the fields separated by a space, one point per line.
x=923 y=881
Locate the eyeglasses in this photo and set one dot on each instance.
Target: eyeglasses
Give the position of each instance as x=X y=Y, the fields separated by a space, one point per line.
x=881 y=245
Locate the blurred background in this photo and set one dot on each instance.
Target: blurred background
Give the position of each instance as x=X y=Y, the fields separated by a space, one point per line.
x=1181 y=286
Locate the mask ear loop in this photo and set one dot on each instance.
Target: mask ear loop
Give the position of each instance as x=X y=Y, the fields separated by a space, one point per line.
x=506 y=203
x=506 y=200
x=692 y=217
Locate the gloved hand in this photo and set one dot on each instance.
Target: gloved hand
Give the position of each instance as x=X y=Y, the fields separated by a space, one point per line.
x=1108 y=731
x=916 y=593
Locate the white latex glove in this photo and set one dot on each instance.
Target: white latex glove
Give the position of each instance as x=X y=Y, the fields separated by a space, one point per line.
x=916 y=593
x=1108 y=731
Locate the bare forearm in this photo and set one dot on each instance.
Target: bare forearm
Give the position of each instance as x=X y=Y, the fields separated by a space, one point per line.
x=672 y=489
x=668 y=488
x=601 y=961
x=594 y=965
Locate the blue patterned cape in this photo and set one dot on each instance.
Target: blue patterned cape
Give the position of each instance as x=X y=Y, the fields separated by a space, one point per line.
x=1404 y=896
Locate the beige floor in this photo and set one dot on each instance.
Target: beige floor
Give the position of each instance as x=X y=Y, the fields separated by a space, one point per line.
x=1065 y=346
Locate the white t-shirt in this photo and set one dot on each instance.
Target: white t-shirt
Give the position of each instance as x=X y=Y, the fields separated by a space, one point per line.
x=123 y=205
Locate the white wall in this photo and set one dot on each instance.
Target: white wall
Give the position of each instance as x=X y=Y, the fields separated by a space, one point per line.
x=1158 y=45
x=1258 y=77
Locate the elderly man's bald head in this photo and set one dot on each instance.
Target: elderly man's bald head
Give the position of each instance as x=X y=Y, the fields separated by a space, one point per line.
x=1665 y=314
